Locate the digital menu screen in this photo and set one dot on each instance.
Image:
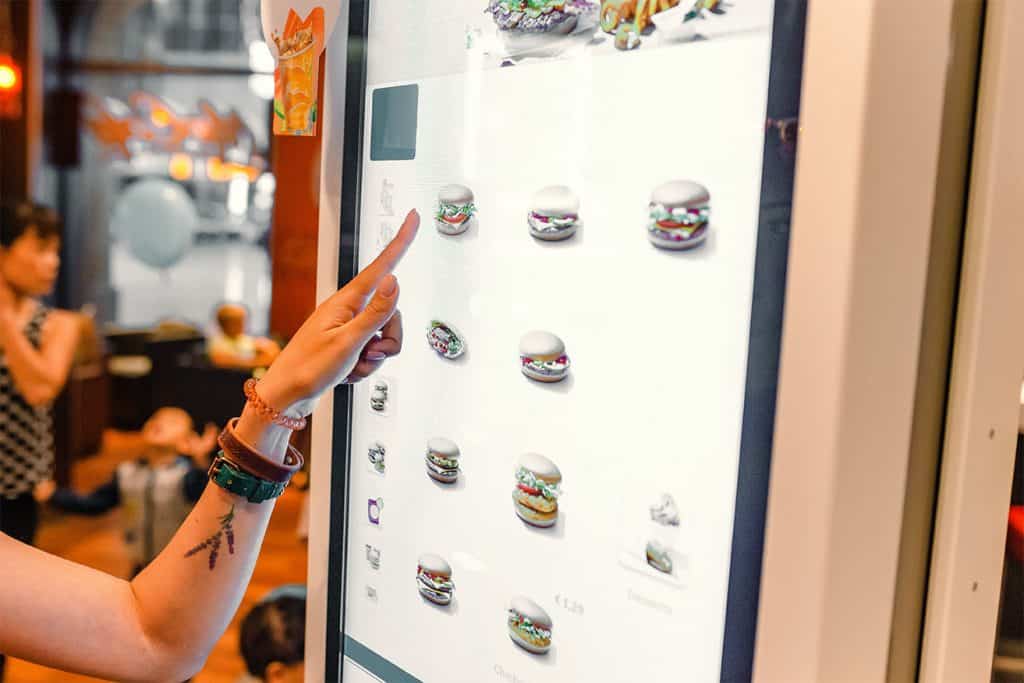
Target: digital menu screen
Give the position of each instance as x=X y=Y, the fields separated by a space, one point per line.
x=563 y=476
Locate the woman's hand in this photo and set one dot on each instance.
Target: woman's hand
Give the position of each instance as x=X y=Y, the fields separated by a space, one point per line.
x=346 y=339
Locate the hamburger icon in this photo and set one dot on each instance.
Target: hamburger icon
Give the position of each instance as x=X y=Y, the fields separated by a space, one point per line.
x=537 y=490
x=542 y=357
x=455 y=209
x=529 y=625
x=434 y=579
x=658 y=557
x=445 y=339
x=554 y=214
x=443 y=460
x=679 y=215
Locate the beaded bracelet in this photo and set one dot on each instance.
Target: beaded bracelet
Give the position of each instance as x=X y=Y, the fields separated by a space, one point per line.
x=296 y=424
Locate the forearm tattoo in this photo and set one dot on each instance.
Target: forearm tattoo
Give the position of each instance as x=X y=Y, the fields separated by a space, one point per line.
x=224 y=531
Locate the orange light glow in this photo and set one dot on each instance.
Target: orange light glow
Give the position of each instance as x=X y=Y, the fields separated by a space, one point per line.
x=160 y=118
x=8 y=77
x=220 y=171
x=180 y=167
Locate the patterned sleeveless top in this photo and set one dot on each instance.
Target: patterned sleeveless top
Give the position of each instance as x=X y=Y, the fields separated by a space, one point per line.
x=26 y=432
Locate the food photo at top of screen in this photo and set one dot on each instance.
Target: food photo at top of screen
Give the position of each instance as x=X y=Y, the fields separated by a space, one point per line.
x=630 y=21
x=543 y=28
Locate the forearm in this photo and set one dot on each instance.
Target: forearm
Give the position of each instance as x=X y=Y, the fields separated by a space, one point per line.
x=35 y=379
x=187 y=596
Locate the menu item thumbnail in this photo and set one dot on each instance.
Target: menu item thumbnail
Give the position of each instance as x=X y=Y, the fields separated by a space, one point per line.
x=443 y=460
x=455 y=209
x=379 y=396
x=665 y=512
x=537 y=490
x=554 y=213
x=530 y=25
x=375 y=454
x=659 y=557
x=679 y=215
x=529 y=625
x=542 y=357
x=445 y=339
x=434 y=579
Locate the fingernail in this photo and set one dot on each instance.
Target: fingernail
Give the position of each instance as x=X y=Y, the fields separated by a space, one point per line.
x=375 y=355
x=388 y=285
x=414 y=212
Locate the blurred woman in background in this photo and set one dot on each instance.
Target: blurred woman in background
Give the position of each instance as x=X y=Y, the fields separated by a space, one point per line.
x=37 y=345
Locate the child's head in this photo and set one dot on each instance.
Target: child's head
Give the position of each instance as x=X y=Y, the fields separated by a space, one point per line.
x=273 y=638
x=168 y=429
x=231 y=319
x=29 y=247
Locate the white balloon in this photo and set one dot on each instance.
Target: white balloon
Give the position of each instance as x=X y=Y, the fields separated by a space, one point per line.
x=156 y=219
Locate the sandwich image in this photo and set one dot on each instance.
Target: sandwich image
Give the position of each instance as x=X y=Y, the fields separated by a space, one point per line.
x=529 y=625
x=434 y=579
x=443 y=460
x=528 y=26
x=658 y=557
x=679 y=215
x=537 y=490
x=445 y=339
x=375 y=454
x=665 y=512
x=455 y=209
x=554 y=213
x=542 y=357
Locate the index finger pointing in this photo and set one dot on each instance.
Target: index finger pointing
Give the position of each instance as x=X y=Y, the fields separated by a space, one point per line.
x=366 y=281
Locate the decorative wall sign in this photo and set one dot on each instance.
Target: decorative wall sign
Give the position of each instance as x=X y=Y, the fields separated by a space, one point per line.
x=296 y=32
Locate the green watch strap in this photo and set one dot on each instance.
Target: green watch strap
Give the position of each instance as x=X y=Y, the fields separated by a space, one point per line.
x=226 y=475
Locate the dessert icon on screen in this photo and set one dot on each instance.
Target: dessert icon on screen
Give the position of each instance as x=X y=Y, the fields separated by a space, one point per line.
x=529 y=625
x=554 y=213
x=659 y=557
x=679 y=215
x=542 y=357
x=375 y=454
x=443 y=460
x=455 y=209
x=434 y=579
x=538 y=481
x=665 y=512
x=445 y=339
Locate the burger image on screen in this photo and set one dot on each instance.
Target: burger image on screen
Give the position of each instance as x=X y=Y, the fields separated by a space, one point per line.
x=658 y=557
x=542 y=357
x=665 y=512
x=529 y=625
x=455 y=209
x=537 y=25
x=679 y=215
x=554 y=213
x=537 y=490
x=443 y=460
x=434 y=579
x=445 y=339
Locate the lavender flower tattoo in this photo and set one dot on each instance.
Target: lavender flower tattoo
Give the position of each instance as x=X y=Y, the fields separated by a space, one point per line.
x=213 y=542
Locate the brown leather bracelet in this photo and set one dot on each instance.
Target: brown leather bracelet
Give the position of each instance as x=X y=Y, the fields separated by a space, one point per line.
x=255 y=463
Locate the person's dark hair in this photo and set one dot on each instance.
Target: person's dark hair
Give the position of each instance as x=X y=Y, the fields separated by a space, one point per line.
x=274 y=631
x=17 y=218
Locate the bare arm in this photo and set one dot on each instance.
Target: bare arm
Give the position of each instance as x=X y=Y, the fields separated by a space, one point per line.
x=40 y=373
x=163 y=624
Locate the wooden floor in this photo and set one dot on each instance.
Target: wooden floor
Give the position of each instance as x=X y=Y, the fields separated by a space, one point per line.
x=96 y=542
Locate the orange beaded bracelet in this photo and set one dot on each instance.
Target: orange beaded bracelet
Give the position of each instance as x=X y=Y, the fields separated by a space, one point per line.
x=296 y=424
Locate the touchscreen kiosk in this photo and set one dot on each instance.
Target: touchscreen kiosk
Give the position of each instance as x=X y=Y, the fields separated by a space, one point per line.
x=563 y=476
